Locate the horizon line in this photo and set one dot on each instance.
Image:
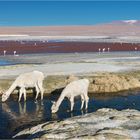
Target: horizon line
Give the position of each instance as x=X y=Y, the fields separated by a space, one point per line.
x=94 y=24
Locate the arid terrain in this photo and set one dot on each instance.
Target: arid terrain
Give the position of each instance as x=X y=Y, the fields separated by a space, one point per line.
x=115 y=28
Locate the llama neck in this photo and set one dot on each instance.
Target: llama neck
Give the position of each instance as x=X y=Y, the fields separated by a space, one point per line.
x=10 y=90
x=60 y=100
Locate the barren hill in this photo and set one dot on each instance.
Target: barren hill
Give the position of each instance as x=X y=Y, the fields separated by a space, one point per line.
x=116 y=28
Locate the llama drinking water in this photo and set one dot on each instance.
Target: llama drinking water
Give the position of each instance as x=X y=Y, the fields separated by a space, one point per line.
x=73 y=89
x=27 y=80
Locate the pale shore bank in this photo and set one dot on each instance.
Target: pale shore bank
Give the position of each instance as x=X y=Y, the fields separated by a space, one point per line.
x=73 y=63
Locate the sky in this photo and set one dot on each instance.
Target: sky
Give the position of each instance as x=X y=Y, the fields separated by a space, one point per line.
x=46 y=13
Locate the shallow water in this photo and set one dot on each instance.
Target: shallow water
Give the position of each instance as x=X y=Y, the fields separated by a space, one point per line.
x=127 y=59
x=5 y=62
x=15 y=115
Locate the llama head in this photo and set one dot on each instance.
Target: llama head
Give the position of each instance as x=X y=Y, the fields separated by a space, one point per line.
x=54 y=108
x=4 y=97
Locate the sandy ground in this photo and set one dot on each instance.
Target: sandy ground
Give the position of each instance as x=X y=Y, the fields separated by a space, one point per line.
x=63 y=64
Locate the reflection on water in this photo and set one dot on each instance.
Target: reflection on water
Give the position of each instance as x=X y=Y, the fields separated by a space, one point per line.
x=15 y=115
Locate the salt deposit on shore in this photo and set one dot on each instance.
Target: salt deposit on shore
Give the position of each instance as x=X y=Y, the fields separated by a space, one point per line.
x=61 y=64
x=61 y=69
x=69 y=37
x=70 y=64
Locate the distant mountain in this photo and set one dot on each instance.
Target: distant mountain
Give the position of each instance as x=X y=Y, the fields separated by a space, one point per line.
x=126 y=22
x=115 y=28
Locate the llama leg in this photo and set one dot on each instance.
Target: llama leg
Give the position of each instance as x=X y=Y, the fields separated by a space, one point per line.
x=40 y=85
x=86 y=99
x=20 y=94
x=72 y=103
x=37 y=91
x=82 y=100
x=24 y=93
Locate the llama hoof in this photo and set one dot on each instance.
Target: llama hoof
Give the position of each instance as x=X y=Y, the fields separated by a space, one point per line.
x=35 y=101
x=71 y=111
x=68 y=111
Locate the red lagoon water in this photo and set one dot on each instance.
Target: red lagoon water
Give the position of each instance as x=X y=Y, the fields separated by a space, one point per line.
x=27 y=47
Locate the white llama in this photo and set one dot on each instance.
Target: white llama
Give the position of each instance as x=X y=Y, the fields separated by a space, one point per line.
x=73 y=89
x=26 y=80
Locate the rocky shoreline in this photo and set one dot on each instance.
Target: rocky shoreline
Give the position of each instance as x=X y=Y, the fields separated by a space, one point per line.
x=99 y=82
x=103 y=124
